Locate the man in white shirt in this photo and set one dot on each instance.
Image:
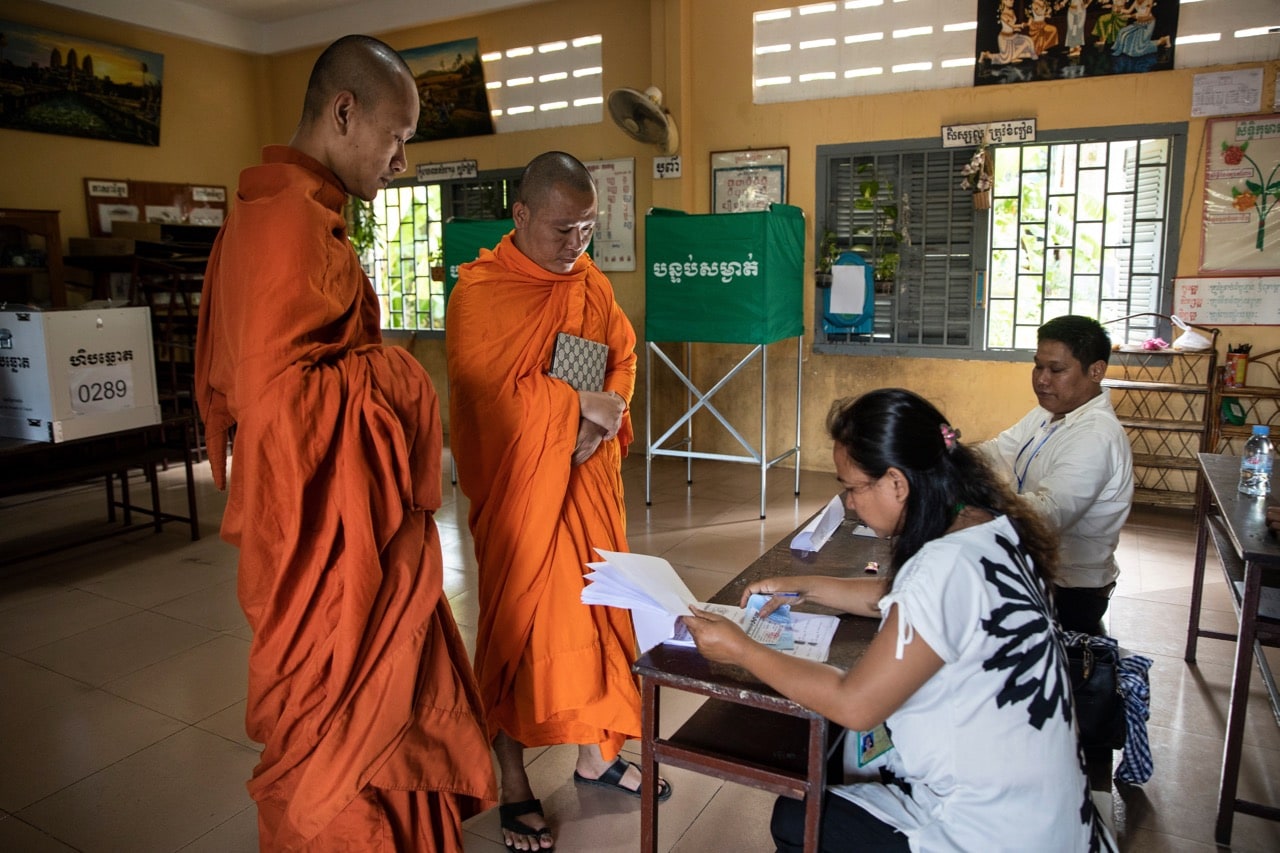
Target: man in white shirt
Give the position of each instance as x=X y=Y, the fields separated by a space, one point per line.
x=1071 y=458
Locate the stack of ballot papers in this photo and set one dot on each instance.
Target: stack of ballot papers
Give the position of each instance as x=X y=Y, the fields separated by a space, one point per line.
x=820 y=528
x=656 y=596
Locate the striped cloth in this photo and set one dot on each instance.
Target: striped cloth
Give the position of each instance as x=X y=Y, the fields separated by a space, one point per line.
x=1131 y=680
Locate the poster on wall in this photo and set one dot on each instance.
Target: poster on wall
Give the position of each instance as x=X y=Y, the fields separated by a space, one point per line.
x=614 y=244
x=1241 y=230
x=450 y=78
x=749 y=180
x=51 y=82
x=1023 y=40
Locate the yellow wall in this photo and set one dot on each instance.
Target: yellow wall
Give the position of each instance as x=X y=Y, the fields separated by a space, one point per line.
x=220 y=106
x=210 y=124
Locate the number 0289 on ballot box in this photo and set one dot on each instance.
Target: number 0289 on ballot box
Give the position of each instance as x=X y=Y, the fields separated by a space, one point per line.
x=76 y=373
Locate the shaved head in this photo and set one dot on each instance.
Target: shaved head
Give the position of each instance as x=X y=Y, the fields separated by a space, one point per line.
x=361 y=65
x=361 y=109
x=552 y=169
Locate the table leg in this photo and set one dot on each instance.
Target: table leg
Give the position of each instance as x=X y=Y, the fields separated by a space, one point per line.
x=1197 y=575
x=111 y=498
x=126 y=502
x=154 y=479
x=191 y=497
x=648 y=766
x=1239 y=701
x=817 y=784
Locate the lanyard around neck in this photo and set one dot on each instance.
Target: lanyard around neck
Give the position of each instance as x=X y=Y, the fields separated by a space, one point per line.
x=1022 y=478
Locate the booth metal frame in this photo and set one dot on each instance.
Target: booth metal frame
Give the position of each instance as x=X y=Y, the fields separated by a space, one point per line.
x=683 y=448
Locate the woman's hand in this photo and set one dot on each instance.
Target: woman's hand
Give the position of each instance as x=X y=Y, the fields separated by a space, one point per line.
x=719 y=639
x=797 y=589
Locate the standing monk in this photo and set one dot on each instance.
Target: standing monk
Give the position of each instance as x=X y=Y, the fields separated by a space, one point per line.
x=359 y=686
x=540 y=463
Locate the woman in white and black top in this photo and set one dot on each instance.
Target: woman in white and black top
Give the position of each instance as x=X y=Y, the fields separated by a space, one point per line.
x=966 y=672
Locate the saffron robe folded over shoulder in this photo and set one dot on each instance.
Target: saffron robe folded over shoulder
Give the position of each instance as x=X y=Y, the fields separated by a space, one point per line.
x=551 y=669
x=357 y=674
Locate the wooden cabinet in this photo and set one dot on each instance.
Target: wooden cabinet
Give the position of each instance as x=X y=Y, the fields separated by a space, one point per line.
x=1236 y=410
x=168 y=277
x=1165 y=401
x=31 y=258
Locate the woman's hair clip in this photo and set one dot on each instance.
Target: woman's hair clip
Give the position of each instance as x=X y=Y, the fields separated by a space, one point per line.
x=950 y=435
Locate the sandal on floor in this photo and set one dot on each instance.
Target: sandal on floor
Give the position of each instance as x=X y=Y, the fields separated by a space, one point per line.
x=509 y=815
x=612 y=778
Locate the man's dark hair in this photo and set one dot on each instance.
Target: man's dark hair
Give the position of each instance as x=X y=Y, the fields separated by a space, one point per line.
x=1084 y=336
x=551 y=169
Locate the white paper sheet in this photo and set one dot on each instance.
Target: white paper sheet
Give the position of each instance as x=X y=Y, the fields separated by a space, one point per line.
x=819 y=529
x=848 y=288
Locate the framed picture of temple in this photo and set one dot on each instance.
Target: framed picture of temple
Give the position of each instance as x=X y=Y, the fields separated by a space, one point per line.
x=451 y=90
x=51 y=82
x=1019 y=41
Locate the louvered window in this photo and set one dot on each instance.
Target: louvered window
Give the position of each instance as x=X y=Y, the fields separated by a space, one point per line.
x=1079 y=222
x=905 y=214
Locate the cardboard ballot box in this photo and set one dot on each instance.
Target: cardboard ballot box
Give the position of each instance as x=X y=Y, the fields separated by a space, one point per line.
x=72 y=374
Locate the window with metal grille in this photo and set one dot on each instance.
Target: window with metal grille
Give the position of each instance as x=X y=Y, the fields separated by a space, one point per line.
x=905 y=214
x=406 y=264
x=1080 y=222
x=1077 y=227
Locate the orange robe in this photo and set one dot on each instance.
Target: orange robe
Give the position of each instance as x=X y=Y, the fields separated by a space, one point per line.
x=552 y=670
x=358 y=679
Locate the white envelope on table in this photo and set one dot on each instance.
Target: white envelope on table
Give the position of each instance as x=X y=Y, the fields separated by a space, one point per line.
x=816 y=533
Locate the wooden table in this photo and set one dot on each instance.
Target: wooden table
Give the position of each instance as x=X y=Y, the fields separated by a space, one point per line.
x=746 y=732
x=30 y=466
x=1250 y=555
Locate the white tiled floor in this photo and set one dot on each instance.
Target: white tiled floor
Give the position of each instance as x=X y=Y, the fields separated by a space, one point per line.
x=122 y=679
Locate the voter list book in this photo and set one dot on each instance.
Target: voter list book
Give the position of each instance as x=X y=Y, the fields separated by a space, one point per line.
x=656 y=596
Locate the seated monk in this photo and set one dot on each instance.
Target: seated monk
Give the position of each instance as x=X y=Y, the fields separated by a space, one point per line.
x=359 y=686
x=540 y=463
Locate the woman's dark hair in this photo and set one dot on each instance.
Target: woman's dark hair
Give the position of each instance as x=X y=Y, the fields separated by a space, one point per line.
x=895 y=428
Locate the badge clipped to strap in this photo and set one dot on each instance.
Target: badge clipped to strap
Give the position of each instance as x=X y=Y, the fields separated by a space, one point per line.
x=865 y=752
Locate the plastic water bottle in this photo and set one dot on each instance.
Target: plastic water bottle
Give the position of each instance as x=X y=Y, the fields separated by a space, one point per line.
x=1255 y=464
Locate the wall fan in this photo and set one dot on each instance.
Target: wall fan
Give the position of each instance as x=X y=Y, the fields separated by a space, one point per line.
x=641 y=116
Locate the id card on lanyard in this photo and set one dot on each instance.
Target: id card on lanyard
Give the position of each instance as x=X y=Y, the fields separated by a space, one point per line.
x=1022 y=478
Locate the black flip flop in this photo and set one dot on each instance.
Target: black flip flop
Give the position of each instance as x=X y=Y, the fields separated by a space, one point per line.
x=612 y=778
x=509 y=815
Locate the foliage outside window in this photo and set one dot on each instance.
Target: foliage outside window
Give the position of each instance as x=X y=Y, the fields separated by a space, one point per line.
x=400 y=240
x=1077 y=225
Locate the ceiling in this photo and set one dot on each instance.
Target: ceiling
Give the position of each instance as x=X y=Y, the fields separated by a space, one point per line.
x=277 y=26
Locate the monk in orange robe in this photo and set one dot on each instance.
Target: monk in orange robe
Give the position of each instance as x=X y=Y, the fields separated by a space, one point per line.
x=540 y=463
x=359 y=684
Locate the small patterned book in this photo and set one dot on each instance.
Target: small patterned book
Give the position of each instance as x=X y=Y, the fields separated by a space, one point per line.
x=580 y=362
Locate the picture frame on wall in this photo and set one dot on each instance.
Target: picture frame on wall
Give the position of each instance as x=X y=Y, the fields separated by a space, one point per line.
x=748 y=180
x=52 y=82
x=1241 y=231
x=1020 y=41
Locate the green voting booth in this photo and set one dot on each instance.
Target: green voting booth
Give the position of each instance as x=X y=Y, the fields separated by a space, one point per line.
x=463 y=240
x=732 y=278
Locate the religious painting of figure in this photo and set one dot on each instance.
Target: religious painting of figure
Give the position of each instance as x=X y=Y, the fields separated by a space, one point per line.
x=451 y=91
x=51 y=82
x=1023 y=40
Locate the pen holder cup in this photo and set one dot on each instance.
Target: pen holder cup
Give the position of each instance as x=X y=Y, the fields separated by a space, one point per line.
x=1237 y=370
